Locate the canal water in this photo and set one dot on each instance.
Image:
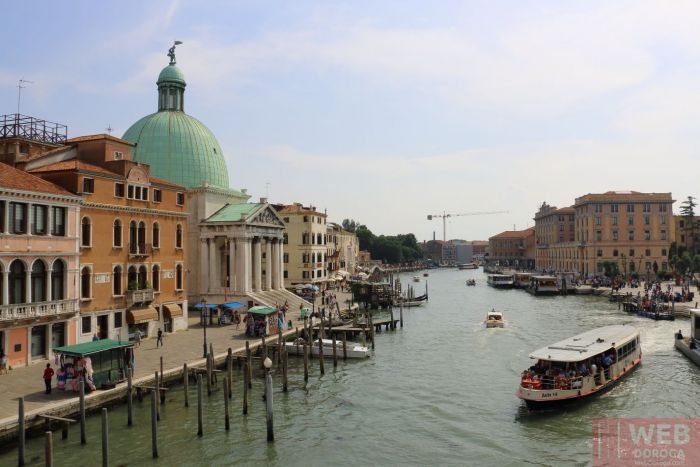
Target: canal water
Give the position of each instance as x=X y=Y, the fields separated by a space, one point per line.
x=440 y=391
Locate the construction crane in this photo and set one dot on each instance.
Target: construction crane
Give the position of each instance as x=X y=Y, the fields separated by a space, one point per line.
x=444 y=217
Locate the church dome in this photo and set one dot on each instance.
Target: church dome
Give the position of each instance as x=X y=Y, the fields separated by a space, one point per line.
x=179 y=148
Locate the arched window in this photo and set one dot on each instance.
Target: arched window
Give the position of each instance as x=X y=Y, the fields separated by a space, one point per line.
x=143 y=277
x=133 y=248
x=117 y=280
x=38 y=281
x=142 y=237
x=319 y=239
x=132 y=278
x=117 y=240
x=155 y=278
x=156 y=235
x=58 y=280
x=17 y=282
x=86 y=232
x=85 y=282
x=178 y=236
x=178 y=277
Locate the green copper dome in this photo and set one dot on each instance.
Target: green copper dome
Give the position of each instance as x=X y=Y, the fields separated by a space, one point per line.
x=179 y=148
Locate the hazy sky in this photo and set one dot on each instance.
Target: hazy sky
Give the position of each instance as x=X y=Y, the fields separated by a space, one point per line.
x=388 y=111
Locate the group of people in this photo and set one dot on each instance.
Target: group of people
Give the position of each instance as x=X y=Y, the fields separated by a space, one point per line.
x=69 y=373
x=543 y=375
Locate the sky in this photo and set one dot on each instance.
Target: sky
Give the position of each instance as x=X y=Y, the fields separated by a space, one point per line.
x=387 y=111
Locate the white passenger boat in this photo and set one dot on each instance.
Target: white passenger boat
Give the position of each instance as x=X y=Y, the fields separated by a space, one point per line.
x=580 y=366
x=468 y=266
x=354 y=350
x=502 y=281
x=521 y=280
x=544 y=285
x=494 y=319
x=690 y=345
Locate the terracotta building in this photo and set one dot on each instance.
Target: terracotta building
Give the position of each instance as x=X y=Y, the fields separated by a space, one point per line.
x=555 y=239
x=132 y=231
x=38 y=265
x=632 y=229
x=514 y=248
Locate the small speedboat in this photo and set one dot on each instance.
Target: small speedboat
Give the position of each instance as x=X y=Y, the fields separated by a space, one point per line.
x=425 y=274
x=416 y=278
x=471 y=281
x=354 y=349
x=494 y=319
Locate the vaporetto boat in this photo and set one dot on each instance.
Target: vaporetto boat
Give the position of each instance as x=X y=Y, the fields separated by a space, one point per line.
x=580 y=366
x=502 y=281
x=544 y=285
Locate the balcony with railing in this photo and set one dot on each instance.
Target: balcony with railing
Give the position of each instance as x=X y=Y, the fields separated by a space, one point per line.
x=140 y=249
x=22 y=311
x=140 y=297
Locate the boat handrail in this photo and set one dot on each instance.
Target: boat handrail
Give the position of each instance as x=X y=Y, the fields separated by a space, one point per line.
x=531 y=380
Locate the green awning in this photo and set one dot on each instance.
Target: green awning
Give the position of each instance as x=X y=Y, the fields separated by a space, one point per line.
x=92 y=347
x=262 y=310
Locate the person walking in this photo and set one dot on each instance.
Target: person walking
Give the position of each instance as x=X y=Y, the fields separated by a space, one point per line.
x=48 y=374
x=137 y=338
x=3 y=362
x=159 y=341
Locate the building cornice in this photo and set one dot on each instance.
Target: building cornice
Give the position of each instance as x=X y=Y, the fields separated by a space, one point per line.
x=134 y=210
x=39 y=196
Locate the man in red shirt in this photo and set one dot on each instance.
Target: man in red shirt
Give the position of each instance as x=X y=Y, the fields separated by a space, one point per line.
x=48 y=374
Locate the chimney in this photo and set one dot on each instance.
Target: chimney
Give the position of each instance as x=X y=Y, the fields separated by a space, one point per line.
x=433 y=235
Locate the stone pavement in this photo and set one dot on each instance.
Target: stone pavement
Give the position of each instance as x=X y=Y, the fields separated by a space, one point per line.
x=178 y=348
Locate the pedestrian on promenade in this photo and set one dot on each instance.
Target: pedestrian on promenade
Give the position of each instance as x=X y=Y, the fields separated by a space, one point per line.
x=48 y=374
x=137 y=338
x=3 y=362
x=95 y=337
x=159 y=341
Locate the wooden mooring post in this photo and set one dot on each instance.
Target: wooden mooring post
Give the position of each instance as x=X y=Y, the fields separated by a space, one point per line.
x=48 y=449
x=154 y=426
x=156 y=390
x=335 y=354
x=401 y=315
x=296 y=339
x=249 y=365
x=209 y=374
x=105 y=439
x=245 y=387
x=129 y=397
x=345 y=347
x=185 y=384
x=306 y=362
x=20 y=432
x=161 y=393
x=320 y=356
x=229 y=371
x=81 y=388
x=284 y=369
x=200 y=432
x=226 y=418
x=263 y=352
x=392 y=324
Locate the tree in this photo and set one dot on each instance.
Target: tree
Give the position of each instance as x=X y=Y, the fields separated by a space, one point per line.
x=365 y=237
x=688 y=212
x=611 y=269
x=350 y=225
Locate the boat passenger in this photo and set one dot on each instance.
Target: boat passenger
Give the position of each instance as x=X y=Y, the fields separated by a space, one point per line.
x=607 y=361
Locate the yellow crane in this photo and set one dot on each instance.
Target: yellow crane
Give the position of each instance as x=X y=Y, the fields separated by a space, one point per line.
x=444 y=217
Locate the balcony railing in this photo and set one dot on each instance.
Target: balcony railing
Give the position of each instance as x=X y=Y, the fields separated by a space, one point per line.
x=140 y=249
x=142 y=296
x=37 y=310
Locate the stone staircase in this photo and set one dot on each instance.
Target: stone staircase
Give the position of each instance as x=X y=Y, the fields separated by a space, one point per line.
x=274 y=298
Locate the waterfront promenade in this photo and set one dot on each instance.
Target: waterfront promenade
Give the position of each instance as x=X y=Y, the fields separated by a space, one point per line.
x=180 y=347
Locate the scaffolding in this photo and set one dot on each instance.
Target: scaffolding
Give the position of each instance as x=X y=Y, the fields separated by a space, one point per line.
x=33 y=129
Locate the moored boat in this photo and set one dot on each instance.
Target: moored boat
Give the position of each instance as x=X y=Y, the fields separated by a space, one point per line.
x=471 y=282
x=416 y=278
x=543 y=285
x=494 y=319
x=468 y=266
x=502 y=281
x=580 y=366
x=521 y=280
x=689 y=346
x=354 y=349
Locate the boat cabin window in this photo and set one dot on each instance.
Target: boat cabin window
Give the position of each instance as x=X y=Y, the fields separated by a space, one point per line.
x=626 y=349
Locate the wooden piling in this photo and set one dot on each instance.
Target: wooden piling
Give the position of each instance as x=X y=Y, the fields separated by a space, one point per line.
x=129 y=397
x=154 y=426
x=200 y=432
x=284 y=369
x=245 y=387
x=392 y=325
x=306 y=362
x=401 y=315
x=263 y=352
x=105 y=439
x=186 y=384
x=81 y=389
x=161 y=393
x=48 y=449
x=335 y=354
x=345 y=347
x=209 y=372
x=296 y=339
x=279 y=346
x=157 y=391
x=229 y=371
x=226 y=396
x=249 y=366
x=211 y=351
x=20 y=432
x=64 y=430
x=320 y=356
x=372 y=333
x=321 y=328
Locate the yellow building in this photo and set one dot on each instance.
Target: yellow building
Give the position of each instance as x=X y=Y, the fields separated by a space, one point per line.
x=305 y=244
x=555 y=238
x=632 y=229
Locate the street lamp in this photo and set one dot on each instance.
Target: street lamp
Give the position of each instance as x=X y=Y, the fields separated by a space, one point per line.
x=204 y=324
x=268 y=399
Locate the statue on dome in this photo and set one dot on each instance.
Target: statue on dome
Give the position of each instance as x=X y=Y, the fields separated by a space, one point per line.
x=171 y=52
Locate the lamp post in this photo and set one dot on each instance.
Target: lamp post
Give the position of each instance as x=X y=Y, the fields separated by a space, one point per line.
x=204 y=325
x=268 y=399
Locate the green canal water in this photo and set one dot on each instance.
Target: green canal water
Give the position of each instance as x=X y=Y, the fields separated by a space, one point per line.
x=440 y=391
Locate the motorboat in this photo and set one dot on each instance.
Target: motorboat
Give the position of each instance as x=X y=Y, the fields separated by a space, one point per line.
x=690 y=345
x=501 y=281
x=494 y=319
x=416 y=278
x=468 y=266
x=581 y=366
x=471 y=282
x=354 y=349
x=425 y=274
x=544 y=285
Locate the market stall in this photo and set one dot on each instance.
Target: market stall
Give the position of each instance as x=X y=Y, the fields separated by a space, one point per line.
x=103 y=363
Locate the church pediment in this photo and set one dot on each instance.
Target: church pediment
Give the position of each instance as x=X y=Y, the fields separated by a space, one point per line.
x=266 y=216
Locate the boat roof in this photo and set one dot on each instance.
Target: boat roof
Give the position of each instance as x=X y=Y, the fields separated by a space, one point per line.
x=509 y=276
x=92 y=347
x=545 y=277
x=587 y=344
x=494 y=313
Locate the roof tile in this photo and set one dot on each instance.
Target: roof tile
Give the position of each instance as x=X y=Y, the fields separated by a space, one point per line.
x=11 y=177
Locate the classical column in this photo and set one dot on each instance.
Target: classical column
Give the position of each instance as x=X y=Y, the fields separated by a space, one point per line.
x=268 y=264
x=49 y=292
x=281 y=263
x=232 y=264
x=242 y=272
x=5 y=287
x=212 y=284
x=274 y=264
x=248 y=264
x=28 y=286
x=49 y=339
x=257 y=263
x=203 y=266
